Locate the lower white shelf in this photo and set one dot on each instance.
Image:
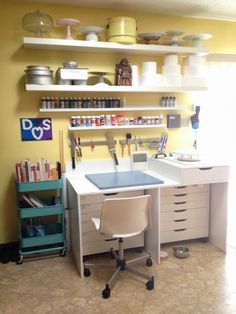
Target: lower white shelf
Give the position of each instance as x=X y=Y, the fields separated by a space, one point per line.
x=157 y=108
x=106 y=127
x=112 y=89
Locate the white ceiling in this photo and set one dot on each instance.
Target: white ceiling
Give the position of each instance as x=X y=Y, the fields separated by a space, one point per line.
x=213 y=9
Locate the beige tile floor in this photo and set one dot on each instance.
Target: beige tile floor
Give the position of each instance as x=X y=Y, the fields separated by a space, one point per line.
x=205 y=282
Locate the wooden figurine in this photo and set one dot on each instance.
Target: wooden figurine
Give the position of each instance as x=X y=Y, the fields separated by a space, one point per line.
x=123 y=73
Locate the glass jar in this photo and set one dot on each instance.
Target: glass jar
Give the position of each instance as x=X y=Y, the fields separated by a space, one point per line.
x=120 y=119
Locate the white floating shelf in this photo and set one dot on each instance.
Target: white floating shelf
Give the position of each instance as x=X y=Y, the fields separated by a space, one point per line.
x=106 y=47
x=111 y=109
x=110 y=89
x=116 y=127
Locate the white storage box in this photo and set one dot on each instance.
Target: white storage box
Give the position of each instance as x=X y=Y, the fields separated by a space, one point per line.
x=72 y=74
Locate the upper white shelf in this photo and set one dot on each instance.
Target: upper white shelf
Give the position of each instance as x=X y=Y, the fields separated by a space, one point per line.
x=110 y=89
x=105 y=47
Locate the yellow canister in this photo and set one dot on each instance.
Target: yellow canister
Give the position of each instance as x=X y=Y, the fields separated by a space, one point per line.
x=122 y=30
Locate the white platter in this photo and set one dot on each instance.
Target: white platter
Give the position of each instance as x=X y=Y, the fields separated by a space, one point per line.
x=91 y=29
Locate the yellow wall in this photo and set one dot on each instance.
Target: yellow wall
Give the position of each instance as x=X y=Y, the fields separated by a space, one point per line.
x=15 y=103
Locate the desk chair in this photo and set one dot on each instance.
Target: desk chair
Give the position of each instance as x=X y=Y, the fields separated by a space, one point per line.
x=122 y=218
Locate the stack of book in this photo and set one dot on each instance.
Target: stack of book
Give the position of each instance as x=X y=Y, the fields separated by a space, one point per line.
x=32 y=200
x=40 y=171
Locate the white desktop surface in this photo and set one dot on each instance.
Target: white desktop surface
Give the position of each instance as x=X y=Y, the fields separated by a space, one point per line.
x=83 y=186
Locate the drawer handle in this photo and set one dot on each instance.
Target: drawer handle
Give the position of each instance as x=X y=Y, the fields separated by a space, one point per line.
x=107 y=194
x=179 y=203
x=181 y=187
x=179 y=195
x=205 y=168
x=180 y=210
x=177 y=230
x=179 y=220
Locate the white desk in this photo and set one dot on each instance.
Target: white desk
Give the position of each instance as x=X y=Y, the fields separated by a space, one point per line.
x=78 y=186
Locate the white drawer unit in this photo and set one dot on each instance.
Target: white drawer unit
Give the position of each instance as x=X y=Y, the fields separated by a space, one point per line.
x=205 y=175
x=189 y=173
x=92 y=241
x=184 y=213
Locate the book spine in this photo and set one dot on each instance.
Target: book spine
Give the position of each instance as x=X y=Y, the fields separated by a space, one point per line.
x=19 y=176
x=33 y=173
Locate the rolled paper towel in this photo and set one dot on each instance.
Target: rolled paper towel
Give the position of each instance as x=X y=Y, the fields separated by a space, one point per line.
x=149 y=68
x=171 y=59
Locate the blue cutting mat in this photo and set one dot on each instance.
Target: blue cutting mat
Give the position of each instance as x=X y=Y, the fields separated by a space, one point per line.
x=113 y=180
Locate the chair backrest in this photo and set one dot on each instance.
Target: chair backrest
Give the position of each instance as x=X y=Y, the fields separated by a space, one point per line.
x=125 y=215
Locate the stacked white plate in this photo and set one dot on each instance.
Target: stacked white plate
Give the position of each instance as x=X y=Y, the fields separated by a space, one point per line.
x=171 y=71
x=194 y=71
x=149 y=74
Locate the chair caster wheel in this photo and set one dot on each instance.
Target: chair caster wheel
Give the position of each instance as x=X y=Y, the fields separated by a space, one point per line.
x=87 y=272
x=106 y=292
x=149 y=262
x=150 y=284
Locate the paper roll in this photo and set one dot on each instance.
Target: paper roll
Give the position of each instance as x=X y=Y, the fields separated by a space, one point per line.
x=171 y=59
x=172 y=80
x=171 y=69
x=149 y=68
x=194 y=81
x=151 y=80
x=194 y=70
x=193 y=59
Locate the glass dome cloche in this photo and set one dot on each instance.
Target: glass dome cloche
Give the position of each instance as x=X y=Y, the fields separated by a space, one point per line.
x=37 y=22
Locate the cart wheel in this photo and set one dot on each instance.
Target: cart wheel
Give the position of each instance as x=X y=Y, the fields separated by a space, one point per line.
x=63 y=252
x=139 y=250
x=149 y=262
x=106 y=292
x=20 y=260
x=87 y=272
x=150 y=284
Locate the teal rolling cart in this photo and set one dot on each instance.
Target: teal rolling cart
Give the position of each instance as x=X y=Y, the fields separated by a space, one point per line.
x=41 y=229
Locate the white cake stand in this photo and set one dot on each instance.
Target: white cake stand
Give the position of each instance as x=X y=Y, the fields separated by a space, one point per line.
x=91 y=32
x=173 y=34
x=101 y=75
x=68 y=23
x=197 y=38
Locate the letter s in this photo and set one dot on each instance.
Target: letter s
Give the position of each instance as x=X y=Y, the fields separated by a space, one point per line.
x=46 y=124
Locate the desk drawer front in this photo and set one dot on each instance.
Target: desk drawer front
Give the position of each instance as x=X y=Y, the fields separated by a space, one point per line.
x=205 y=175
x=99 y=246
x=184 y=224
x=91 y=208
x=185 y=189
x=183 y=197
x=183 y=205
x=184 y=234
x=99 y=198
x=184 y=214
